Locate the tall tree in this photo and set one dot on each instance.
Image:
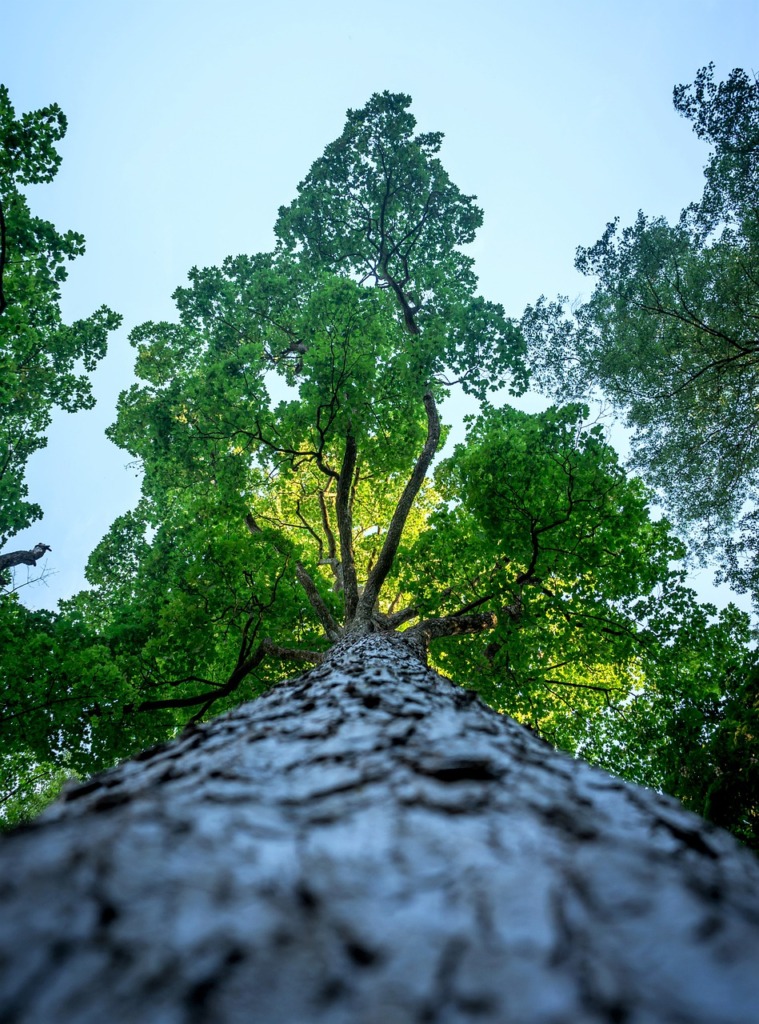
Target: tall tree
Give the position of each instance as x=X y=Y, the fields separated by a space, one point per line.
x=670 y=331
x=44 y=363
x=274 y=523
x=41 y=358
x=367 y=841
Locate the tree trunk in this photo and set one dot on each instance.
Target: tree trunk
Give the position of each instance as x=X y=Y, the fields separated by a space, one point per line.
x=370 y=844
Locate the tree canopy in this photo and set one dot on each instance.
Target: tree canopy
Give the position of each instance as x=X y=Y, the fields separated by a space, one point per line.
x=286 y=425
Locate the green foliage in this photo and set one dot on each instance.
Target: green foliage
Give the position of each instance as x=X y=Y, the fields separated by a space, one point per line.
x=41 y=358
x=696 y=735
x=726 y=115
x=206 y=408
x=538 y=521
x=284 y=425
x=379 y=206
x=28 y=787
x=669 y=333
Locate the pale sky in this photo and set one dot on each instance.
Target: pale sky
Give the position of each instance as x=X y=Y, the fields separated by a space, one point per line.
x=190 y=123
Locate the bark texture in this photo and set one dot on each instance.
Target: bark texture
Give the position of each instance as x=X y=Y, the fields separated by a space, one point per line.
x=370 y=844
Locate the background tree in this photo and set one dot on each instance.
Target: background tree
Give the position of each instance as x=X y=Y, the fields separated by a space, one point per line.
x=670 y=332
x=44 y=363
x=41 y=358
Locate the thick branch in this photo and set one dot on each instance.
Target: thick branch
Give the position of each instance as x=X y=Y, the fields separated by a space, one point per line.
x=395 y=619
x=331 y=546
x=408 y=310
x=316 y=601
x=394 y=533
x=453 y=625
x=23 y=557
x=345 y=527
x=292 y=653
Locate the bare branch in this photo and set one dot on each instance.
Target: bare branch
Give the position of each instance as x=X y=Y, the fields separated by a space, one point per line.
x=23 y=557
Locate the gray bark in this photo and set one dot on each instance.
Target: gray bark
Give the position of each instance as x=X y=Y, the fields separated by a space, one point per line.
x=370 y=844
x=31 y=557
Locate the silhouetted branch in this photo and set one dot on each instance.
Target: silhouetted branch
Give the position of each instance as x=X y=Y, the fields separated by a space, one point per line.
x=24 y=557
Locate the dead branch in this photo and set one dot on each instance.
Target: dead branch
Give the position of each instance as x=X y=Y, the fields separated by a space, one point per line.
x=24 y=557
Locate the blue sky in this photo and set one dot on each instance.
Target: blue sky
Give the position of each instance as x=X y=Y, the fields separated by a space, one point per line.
x=190 y=123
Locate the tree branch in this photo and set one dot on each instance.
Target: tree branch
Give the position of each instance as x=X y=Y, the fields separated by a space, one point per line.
x=452 y=625
x=307 y=526
x=316 y=601
x=292 y=653
x=395 y=619
x=331 y=546
x=345 y=527
x=473 y=604
x=240 y=671
x=23 y=557
x=583 y=686
x=394 y=533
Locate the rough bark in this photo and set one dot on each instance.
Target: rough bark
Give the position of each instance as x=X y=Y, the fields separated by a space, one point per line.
x=370 y=844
